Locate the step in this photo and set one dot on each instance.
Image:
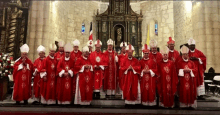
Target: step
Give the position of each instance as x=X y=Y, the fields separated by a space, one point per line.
x=106 y=102
x=207 y=103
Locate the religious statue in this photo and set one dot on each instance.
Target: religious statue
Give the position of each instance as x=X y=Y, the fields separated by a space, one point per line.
x=133 y=29
x=104 y=29
x=119 y=35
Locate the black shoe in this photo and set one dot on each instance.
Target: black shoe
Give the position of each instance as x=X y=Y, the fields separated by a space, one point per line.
x=25 y=102
x=17 y=103
x=35 y=102
x=200 y=98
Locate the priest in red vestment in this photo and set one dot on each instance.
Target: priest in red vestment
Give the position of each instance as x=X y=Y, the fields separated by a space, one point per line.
x=84 y=83
x=173 y=54
x=37 y=66
x=48 y=76
x=131 y=87
x=97 y=60
x=120 y=74
x=154 y=54
x=65 y=72
x=58 y=55
x=167 y=79
x=148 y=78
x=90 y=45
x=199 y=60
x=187 y=82
x=22 y=73
x=76 y=53
x=110 y=72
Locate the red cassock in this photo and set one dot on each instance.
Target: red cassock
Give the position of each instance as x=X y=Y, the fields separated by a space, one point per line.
x=200 y=64
x=48 y=91
x=58 y=55
x=148 y=82
x=65 y=91
x=187 y=84
x=167 y=81
x=22 y=80
x=97 y=59
x=121 y=58
x=131 y=87
x=156 y=56
x=110 y=72
x=84 y=84
x=173 y=55
x=37 y=84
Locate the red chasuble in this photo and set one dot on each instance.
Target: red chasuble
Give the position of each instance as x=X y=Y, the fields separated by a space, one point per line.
x=131 y=87
x=156 y=57
x=37 y=84
x=110 y=71
x=75 y=55
x=97 y=59
x=167 y=81
x=48 y=91
x=65 y=93
x=187 y=84
x=121 y=58
x=199 y=74
x=22 y=80
x=173 y=55
x=148 y=82
x=58 y=55
x=84 y=87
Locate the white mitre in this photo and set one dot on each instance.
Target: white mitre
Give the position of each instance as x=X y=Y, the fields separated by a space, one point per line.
x=24 y=48
x=41 y=49
x=127 y=48
x=123 y=44
x=184 y=49
x=76 y=43
x=90 y=43
x=110 y=42
x=164 y=50
x=53 y=47
x=85 y=49
x=191 y=41
x=153 y=43
x=61 y=43
x=98 y=42
x=68 y=47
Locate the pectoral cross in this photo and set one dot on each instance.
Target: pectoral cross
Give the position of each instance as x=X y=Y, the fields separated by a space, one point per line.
x=67 y=68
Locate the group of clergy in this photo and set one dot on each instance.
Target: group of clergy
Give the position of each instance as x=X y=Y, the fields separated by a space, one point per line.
x=71 y=76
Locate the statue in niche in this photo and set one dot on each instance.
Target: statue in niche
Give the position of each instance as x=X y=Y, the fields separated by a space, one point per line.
x=104 y=29
x=119 y=35
x=133 y=29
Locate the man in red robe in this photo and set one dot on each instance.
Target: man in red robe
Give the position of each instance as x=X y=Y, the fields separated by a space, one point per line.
x=187 y=82
x=58 y=55
x=90 y=45
x=154 y=54
x=97 y=60
x=48 y=76
x=84 y=84
x=131 y=69
x=173 y=54
x=199 y=60
x=65 y=72
x=121 y=57
x=110 y=71
x=167 y=79
x=22 y=73
x=148 y=78
x=37 y=66
x=76 y=53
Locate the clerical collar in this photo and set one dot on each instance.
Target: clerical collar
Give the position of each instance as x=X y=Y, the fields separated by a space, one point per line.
x=84 y=58
x=192 y=51
x=67 y=59
x=109 y=51
x=130 y=58
x=154 y=52
x=61 y=52
x=76 y=51
x=146 y=59
x=124 y=54
x=186 y=60
x=51 y=57
x=171 y=50
x=165 y=60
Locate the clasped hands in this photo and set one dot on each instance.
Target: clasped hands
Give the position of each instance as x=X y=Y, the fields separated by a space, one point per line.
x=146 y=70
x=187 y=70
x=87 y=66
